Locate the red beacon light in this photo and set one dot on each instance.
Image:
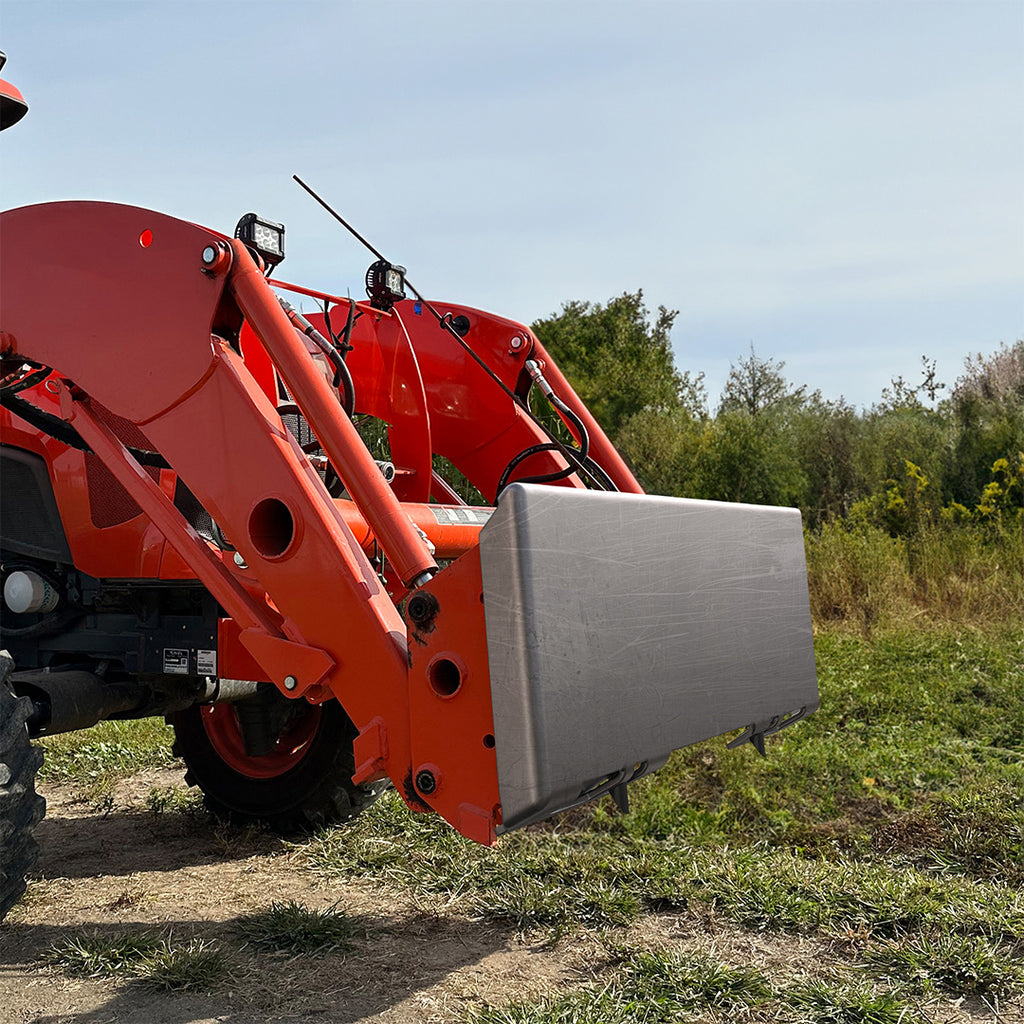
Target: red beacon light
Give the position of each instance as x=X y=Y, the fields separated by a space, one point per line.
x=12 y=104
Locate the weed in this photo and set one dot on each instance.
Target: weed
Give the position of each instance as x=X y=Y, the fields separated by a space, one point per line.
x=195 y=967
x=129 y=898
x=98 y=955
x=821 y=1002
x=774 y=889
x=686 y=981
x=584 y=1007
x=531 y=879
x=148 y=958
x=972 y=966
x=108 y=750
x=292 y=928
x=860 y=576
x=645 y=987
x=554 y=880
x=172 y=800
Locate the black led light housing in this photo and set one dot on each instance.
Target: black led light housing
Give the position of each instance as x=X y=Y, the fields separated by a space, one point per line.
x=385 y=284
x=263 y=237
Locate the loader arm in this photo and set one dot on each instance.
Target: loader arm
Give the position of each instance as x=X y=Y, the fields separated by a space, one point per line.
x=577 y=637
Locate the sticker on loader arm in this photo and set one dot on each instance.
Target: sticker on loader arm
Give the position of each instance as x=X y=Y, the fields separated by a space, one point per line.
x=461 y=515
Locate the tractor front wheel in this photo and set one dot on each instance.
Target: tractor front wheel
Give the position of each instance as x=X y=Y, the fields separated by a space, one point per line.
x=300 y=779
x=21 y=808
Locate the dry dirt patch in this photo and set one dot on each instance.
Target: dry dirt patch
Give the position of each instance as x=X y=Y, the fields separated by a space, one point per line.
x=115 y=865
x=122 y=867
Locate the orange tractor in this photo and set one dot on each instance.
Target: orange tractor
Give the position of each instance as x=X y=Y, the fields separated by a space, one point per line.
x=193 y=527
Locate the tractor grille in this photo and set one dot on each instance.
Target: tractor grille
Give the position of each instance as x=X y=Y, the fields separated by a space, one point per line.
x=29 y=521
x=188 y=505
x=298 y=426
x=109 y=503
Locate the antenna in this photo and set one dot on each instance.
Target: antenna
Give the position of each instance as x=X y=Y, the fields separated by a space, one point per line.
x=577 y=464
x=376 y=252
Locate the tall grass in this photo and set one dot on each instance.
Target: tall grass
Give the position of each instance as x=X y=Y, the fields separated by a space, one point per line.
x=960 y=574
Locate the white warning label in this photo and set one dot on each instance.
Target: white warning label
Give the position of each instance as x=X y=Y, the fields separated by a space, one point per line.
x=461 y=515
x=176 y=661
x=206 y=663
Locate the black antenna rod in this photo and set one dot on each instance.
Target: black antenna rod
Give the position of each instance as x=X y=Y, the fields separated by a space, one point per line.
x=376 y=252
x=446 y=323
x=341 y=220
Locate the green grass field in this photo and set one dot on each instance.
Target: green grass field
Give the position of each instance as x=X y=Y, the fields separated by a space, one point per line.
x=888 y=828
x=886 y=831
x=893 y=818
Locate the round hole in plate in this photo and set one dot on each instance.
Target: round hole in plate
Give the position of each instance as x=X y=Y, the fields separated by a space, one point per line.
x=444 y=677
x=271 y=527
x=489 y=741
x=146 y=239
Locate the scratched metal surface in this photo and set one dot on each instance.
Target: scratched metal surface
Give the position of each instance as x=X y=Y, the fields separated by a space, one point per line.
x=621 y=627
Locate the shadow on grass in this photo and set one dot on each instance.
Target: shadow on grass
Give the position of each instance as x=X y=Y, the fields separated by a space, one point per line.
x=126 y=841
x=391 y=960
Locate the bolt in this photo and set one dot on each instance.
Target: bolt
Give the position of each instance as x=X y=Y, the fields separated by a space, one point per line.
x=290 y=682
x=210 y=254
x=425 y=782
x=517 y=343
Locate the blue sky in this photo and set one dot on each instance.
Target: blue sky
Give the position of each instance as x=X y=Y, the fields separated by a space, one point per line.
x=840 y=184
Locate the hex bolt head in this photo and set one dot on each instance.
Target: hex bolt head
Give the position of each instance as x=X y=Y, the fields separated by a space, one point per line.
x=425 y=782
x=290 y=682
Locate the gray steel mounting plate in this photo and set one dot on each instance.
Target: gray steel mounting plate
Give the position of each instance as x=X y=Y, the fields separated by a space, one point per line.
x=621 y=627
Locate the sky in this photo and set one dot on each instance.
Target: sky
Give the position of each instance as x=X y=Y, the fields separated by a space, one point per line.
x=838 y=184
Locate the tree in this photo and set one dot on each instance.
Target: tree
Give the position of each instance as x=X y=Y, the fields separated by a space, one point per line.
x=661 y=448
x=618 y=359
x=988 y=411
x=757 y=385
x=826 y=436
x=900 y=395
x=747 y=458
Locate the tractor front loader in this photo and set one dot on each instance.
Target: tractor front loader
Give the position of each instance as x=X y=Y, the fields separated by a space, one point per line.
x=193 y=526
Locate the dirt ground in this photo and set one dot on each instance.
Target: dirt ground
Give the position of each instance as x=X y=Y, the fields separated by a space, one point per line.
x=119 y=866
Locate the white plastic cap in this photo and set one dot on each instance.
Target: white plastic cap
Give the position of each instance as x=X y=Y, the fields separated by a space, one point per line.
x=26 y=592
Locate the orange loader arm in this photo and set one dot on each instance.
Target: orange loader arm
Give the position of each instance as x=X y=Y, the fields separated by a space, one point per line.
x=575 y=636
x=145 y=329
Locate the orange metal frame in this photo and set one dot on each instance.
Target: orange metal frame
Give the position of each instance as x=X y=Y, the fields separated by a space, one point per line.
x=174 y=328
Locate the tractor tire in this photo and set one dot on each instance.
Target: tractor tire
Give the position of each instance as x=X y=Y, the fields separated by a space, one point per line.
x=304 y=783
x=21 y=808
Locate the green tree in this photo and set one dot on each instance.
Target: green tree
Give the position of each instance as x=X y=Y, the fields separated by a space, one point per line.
x=748 y=458
x=661 y=446
x=826 y=436
x=902 y=429
x=756 y=386
x=988 y=412
x=618 y=358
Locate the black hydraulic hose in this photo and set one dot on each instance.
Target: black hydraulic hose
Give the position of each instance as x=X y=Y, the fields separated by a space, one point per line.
x=341 y=370
x=503 y=480
x=445 y=322
x=62 y=431
x=579 y=460
x=342 y=342
x=584 y=466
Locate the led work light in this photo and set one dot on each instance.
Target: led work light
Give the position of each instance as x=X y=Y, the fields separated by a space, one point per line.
x=385 y=284
x=263 y=236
